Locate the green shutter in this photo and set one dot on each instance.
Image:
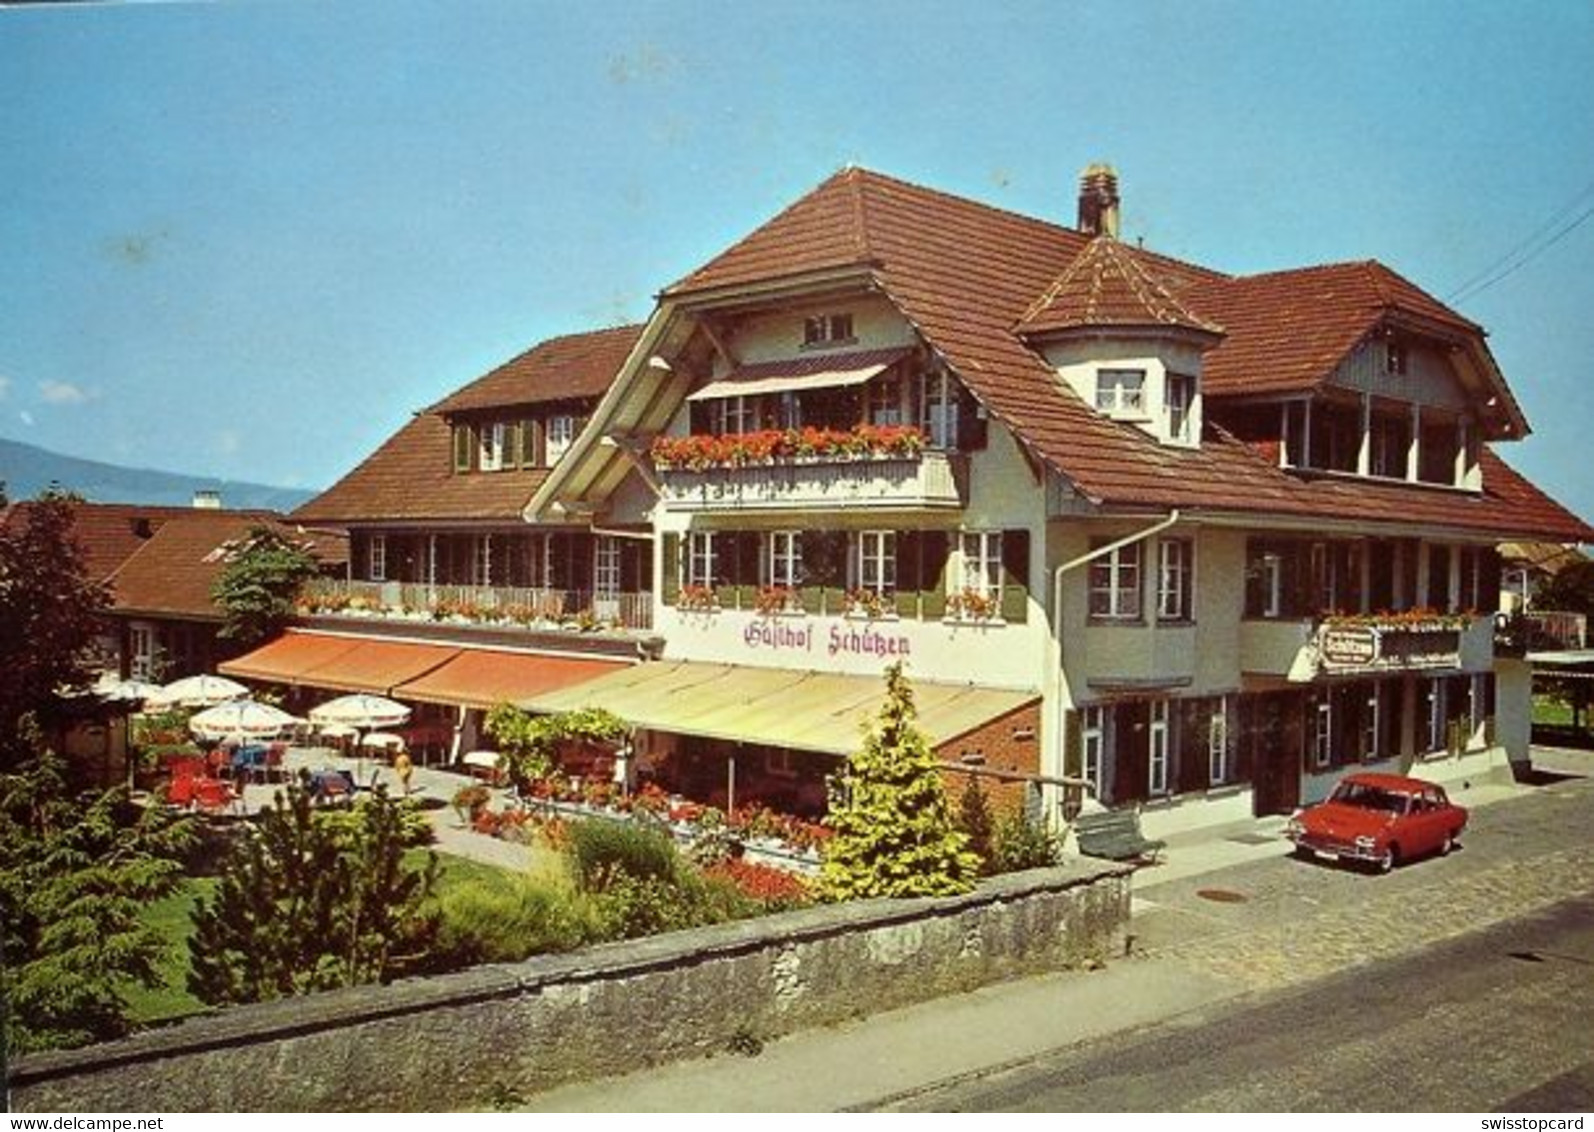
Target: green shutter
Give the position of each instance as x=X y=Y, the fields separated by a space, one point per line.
x=1015 y=576
x=813 y=599
x=512 y=445
x=907 y=595
x=671 y=582
x=462 y=447
x=934 y=555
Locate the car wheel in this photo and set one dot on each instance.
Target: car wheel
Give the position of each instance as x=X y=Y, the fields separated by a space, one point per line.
x=1387 y=862
x=1448 y=844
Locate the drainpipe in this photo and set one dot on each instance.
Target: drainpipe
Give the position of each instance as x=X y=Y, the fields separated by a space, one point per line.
x=1055 y=732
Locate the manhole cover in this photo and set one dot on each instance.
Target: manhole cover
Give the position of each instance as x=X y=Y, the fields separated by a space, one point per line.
x=1221 y=895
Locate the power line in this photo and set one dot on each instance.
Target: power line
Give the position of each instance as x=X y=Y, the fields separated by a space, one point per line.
x=1540 y=240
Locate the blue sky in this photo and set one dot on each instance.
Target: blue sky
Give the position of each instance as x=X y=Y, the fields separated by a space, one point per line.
x=249 y=239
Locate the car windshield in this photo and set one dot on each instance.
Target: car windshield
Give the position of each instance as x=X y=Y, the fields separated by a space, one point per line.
x=1366 y=797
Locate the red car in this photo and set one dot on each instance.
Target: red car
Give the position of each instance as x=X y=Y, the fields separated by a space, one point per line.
x=1379 y=819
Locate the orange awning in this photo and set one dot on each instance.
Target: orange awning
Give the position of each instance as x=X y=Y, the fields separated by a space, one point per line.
x=484 y=678
x=287 y=659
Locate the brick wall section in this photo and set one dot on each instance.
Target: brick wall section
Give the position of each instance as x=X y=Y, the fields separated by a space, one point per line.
x=450 y=1042
x=1008 y=742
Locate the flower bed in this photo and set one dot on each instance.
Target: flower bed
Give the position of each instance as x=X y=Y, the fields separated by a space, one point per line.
x=699 y=452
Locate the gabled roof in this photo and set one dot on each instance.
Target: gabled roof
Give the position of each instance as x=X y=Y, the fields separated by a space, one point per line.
x=1109 y=286
x=560 y=369
x=411 y=476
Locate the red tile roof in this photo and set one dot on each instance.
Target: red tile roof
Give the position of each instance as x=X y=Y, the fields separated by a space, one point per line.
x=1108 y=285
x=171 y=573
x=560 y=369
x=966 y=274
x=411 y=477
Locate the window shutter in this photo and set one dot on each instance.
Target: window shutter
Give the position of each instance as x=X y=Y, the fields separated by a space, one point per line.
x=671 y=581
x=531 y=444
x=1073 y=760
x=908 y=573
x=1194 y=762
x=1131 y=750
x=935 y=549
x=511 y=445
x=1015 y=576
x=463 y=443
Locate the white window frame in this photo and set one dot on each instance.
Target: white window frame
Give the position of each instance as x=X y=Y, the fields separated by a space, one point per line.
x=378 y=557
x=885 y=401
x=1092 y=745
x=733 y=416
x=1108 y=576
x=1273 y=583
x=558 y=437
x=938 y=410
x=606 y=566
x=1181 y=406
x=1121 y=392
x=876 y=561
x=141 y=650
x=482 y=560
x=1218 y=744
x=785 y=559
x=981 y=559
x=1158 y=748
x=1323 y=732
x=492 y=442
x=701 y=558
x=828 y=329
x=1175 y=596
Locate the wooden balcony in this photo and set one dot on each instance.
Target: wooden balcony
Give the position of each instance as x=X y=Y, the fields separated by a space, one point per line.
x=927 y=480
x=501 y=607
x=1303 y=649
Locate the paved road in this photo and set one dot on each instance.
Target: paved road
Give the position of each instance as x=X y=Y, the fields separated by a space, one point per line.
x=1495 y=1020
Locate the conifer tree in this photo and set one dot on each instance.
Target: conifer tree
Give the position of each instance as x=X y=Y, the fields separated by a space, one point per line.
x=894 y=830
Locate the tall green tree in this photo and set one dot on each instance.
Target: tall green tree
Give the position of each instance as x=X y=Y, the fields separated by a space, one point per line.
x=257 y=587
x=895 y=835
x=311 y=900
x=76 y=872
x=50 y=613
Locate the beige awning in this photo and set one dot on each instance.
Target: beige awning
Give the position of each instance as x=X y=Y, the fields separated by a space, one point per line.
x=810 y=711
x=820 y=371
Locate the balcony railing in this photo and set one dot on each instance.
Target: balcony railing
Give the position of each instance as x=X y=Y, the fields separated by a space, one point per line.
x=1555 y=629
x=498 y=606
x=930 y=479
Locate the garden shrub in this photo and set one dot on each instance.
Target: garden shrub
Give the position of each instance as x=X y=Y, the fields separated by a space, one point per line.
x=974 y=819
x=1019 y=843
x=602 y=852
x=482 y=923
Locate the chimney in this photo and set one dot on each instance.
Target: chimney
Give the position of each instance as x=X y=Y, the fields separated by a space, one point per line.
x=206 y=500
x=1098 y=201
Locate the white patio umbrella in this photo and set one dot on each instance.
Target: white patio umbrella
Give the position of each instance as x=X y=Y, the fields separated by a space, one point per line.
x=127 y=691
x=198 y=691
x=362 y=711
x=243 y=719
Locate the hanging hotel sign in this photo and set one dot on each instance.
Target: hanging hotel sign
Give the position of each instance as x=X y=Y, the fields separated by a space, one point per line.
x=1376 y=646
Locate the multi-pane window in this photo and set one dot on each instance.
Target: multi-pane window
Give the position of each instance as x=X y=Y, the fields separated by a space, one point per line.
x=938 y=415
x=885 y=401
x=1157 y=749
x=1181 y=396
x=821 y=329
x=734 y=415
x=1174 y=574
x=378 y=569
x=982 y=563
x=1218 y=743
x=1115 y=584
x=606 y=565
x=1093 y=736
x=700 y=559
x=493 y=441
x=561 y=431
x=1121 y=392
x=785 y=559
x=141 y=646
x=1271 y=583
x=877 y=561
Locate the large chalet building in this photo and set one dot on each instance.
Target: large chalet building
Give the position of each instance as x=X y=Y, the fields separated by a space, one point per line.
x=1199 y=540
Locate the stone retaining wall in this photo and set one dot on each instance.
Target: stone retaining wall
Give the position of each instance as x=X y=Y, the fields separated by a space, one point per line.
x=456 y=1041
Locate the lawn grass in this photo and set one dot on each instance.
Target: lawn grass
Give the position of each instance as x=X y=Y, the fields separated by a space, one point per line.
x=173 y=917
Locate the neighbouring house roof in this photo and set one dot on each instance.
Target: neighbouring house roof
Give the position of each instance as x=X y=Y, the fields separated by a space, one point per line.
x=411 y=476
x=1108 y=285
x=967 y=274
x=171 y=573
x=560 y=369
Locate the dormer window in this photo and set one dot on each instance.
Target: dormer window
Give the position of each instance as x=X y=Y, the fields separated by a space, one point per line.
x=493 y=447
x=1121 y=392
x=827 y=330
